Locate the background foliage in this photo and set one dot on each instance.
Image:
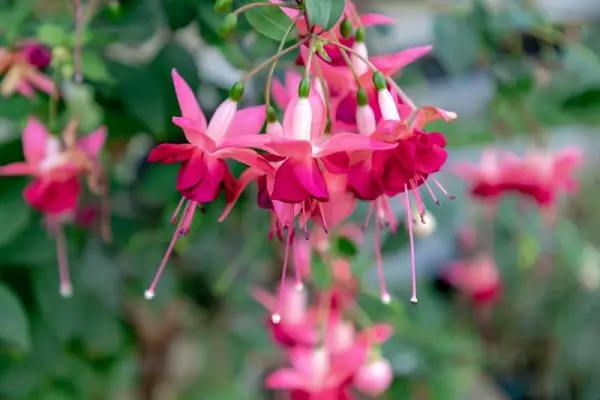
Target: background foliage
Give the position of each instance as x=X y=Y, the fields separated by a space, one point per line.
x=203 y=336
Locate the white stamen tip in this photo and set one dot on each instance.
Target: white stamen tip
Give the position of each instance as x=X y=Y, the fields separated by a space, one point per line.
x=276 y=318
x=386 y=298
x=66 y=291
x=299 y=286
x=414 y=300
x=149 y=294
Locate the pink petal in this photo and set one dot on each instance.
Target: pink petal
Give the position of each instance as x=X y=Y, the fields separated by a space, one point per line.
x=41 y=81
x=208 y=189
x=53 y=197
x=284 y=379
x=376 y=19
x=191 y=172
x=26 y=89
x=319 y=117
x=18 y=168
x=348 y=142
x=280 y=94
x=298 y=180
x=392 y=63
x=248 y=157
x=302 y=359
x=194 y=134
x=289 y=147
x=35 y=137
x=188 y=103
x=247 y=122
x=429 y=114
x=92 y=144
x=169 y=153
x=265 y=298
x=337 y=163
x=378 y=333
x=245 y=142
x=246 y=177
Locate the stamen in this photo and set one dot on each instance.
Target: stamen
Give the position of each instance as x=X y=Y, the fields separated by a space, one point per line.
x=418 y=200
x=299 y=284
x=276 y=317
x=431 y=192
x=369 y=214
x=323 y=218
x=439 y=185
x=66 y=289
x=413 y=298
x=149 y=294
x=389 y=215
x=385 y=296
x=176 y=213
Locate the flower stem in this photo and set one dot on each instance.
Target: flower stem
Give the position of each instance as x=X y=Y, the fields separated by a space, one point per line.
x=311 y=53
x=274 y=65
x=359 y=56
x=253 y=5
x=77 y=45
x=405 y=99
x=270 y=60
x=349 y=62
x=324 y=86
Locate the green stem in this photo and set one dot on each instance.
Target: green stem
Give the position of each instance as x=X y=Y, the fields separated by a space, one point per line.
x=311 y=53
x=274 y=65
x=253 y=5
x=349 y=62
x=271 y=59
x=53 y=105
x=360 y=56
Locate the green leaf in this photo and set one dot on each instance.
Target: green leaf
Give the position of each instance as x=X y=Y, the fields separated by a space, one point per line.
x=270 y=22
x=321 y=274
x=52 y=35
x=142 y=96
x=94 y=68
x=179 y=13
x=14 y=213
x=456 y=41
x=82 y=105
x=325 y=13
x=15 y=327
x=156 y=188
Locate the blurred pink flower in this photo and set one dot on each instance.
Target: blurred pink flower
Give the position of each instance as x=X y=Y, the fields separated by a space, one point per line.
x=477 y=278
x=21 y=73
x=374 y=377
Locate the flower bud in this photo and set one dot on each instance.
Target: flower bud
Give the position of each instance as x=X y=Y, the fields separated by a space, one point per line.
x=374 y=378
x=36 y=54
x=304 y=88
x=236 y=92
x=222 y=6
x=229 y=24
x=360 y=34
x=271 y=115
x=365 y=119
x=340 y=337
x=360 y=49
x=346 y=28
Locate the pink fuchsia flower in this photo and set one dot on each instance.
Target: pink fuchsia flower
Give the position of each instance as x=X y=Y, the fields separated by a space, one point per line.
x=37 y=54
x=203 y=169
x=56 y=187
x=543 y=175
x=487 y=179
x=21 y=71
x=374 y=377
x=478 y=279
x=297 y=326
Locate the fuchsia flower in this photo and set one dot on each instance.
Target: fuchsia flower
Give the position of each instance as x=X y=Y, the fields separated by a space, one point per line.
x=203 y=169
x=477 y=278
x=56 y=171
x=21 y=70
x=486 y=179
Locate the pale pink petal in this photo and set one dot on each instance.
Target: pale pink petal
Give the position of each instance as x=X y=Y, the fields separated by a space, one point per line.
x=247 y=121
x=376 y=19
x=302 y=359
x=429 y=114
x=18 y=168
x=188 y=103
x=289 y=147
x=302 y=256
x=319 y=117
x=35 y=139
x=92 y=144
x=378 y=333
x=194 y=134
x=285 y=379
x=348 y=142
x=261 y=142
x=391 y=63
x=41 y=81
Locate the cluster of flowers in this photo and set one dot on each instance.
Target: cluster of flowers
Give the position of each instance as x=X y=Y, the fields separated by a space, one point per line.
x=328 y=355
x=348 y=132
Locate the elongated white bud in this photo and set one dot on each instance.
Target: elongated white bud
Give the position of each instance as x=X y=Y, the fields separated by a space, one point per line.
x=302 y=119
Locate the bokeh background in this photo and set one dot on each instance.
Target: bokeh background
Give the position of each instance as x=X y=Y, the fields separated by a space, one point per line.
x=519 y=74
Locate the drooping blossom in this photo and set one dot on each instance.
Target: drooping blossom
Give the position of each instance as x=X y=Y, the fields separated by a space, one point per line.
x=204 y=172
x=477 y=278
x=21 y=70
x=56 y=168
x=374 y=377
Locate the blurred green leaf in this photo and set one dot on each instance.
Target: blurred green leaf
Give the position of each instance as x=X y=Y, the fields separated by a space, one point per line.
x=584 y=63
x=325 y=13
x=142 y=96
x=11 y=19
x=209 y=23
x=456 y=41
x=99 y=276
x=94 y=68
x=14 y=329
x=179 y=13
x=82 y=105
x=156 y=186
x=102 y=332
x=14 y=213
x=320 y=274
x=269 y=21
x=52 y=34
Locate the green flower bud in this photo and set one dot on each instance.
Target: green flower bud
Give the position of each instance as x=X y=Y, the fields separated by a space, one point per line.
x=229 y=24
